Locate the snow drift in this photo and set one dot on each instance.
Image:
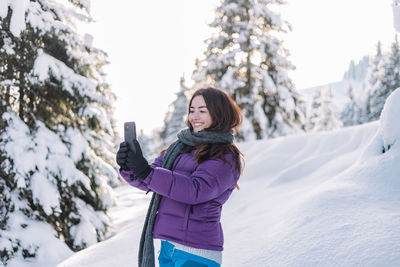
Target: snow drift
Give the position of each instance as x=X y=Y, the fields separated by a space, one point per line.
x=321 y=199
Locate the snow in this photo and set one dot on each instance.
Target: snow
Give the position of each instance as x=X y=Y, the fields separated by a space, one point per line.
x=78 y=144
x=46 y=66
x=319 y=199
x=268 y=82
x=88 y=39
x=93 y=110
x=45 y=192
x=85 y=231
x=45 y=155
x=8 y=46
x=40 y=19
x=389 y=121
x=17 y=23
x=3 y=8
x=54 y=177
x=121 y=247
x=39 y=233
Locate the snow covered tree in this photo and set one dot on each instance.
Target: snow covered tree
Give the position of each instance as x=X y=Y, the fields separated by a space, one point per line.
x=247 y=60
x=57 y=134
x=323 y=115
x=352 y=113
x=375 y=83
x=312 y=112
x=389 y=82
x=175 y=117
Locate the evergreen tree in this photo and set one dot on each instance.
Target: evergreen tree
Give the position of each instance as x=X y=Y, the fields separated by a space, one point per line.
x=389 y=82
x=375 y=82
x=312 y=113
x=324 y=113
x=247 y=60
x=175 y=117
x=57 y=137
x=352 y=113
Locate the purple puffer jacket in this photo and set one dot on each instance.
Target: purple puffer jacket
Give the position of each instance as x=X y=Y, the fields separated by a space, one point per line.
x=193 y=195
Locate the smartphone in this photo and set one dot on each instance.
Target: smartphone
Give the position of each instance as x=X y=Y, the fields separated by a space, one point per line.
x=130 y=134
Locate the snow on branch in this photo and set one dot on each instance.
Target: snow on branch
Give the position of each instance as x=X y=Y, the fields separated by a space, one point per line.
x=17 y=24
x=46 y=66
x=4 y=8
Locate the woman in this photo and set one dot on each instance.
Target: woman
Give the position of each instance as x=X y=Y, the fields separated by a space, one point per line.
x=191 y=181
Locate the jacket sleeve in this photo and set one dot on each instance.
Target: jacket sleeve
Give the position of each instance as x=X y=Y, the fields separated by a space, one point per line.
x=209 y=180
x=130 y=177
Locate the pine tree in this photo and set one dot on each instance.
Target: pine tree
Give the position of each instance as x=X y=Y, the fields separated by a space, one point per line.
x=352 y=113
x=247 y=60
x=324 y=113
x=389 y=82
x=312 y=112
x=175 y=117
x=375 y=82
x=57 y=134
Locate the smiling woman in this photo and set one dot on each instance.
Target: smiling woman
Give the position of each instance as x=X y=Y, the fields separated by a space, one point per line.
x=191 y=181
x=199 y=117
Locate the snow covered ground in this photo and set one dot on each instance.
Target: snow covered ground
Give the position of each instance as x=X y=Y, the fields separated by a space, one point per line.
x=321 y=199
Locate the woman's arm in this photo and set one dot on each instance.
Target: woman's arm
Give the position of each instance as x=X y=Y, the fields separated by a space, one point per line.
x=210 y=179
x=130 y=177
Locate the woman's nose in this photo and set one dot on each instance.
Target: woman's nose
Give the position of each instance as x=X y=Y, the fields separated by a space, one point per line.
x=195 y=115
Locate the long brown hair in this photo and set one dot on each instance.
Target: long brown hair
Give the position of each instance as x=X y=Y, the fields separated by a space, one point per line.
x=226 y=117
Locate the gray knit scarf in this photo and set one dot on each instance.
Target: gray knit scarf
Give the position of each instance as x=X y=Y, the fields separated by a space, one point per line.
x=185 y=137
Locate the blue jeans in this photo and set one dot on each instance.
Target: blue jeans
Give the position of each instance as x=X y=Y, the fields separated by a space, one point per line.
x=172 y=257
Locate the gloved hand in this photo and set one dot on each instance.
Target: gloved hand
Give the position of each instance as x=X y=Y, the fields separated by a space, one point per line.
x=136 y=162
x=122 y=155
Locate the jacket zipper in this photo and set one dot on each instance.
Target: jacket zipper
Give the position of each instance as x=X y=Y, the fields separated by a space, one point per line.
x=186 y=221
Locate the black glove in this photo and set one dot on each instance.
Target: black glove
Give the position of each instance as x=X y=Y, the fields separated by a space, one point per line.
x=137 y=163
x=122 y=155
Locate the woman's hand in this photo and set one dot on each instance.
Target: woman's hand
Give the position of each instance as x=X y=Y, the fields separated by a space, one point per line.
x=133 y=160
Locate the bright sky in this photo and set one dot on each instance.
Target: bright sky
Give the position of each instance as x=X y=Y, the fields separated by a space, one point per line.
x=152 y=43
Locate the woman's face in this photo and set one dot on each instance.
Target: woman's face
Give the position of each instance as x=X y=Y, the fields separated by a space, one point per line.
x=199 y=117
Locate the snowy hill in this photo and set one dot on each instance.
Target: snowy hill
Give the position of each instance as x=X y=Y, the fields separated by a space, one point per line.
x=321 y=199
x=316 y=202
